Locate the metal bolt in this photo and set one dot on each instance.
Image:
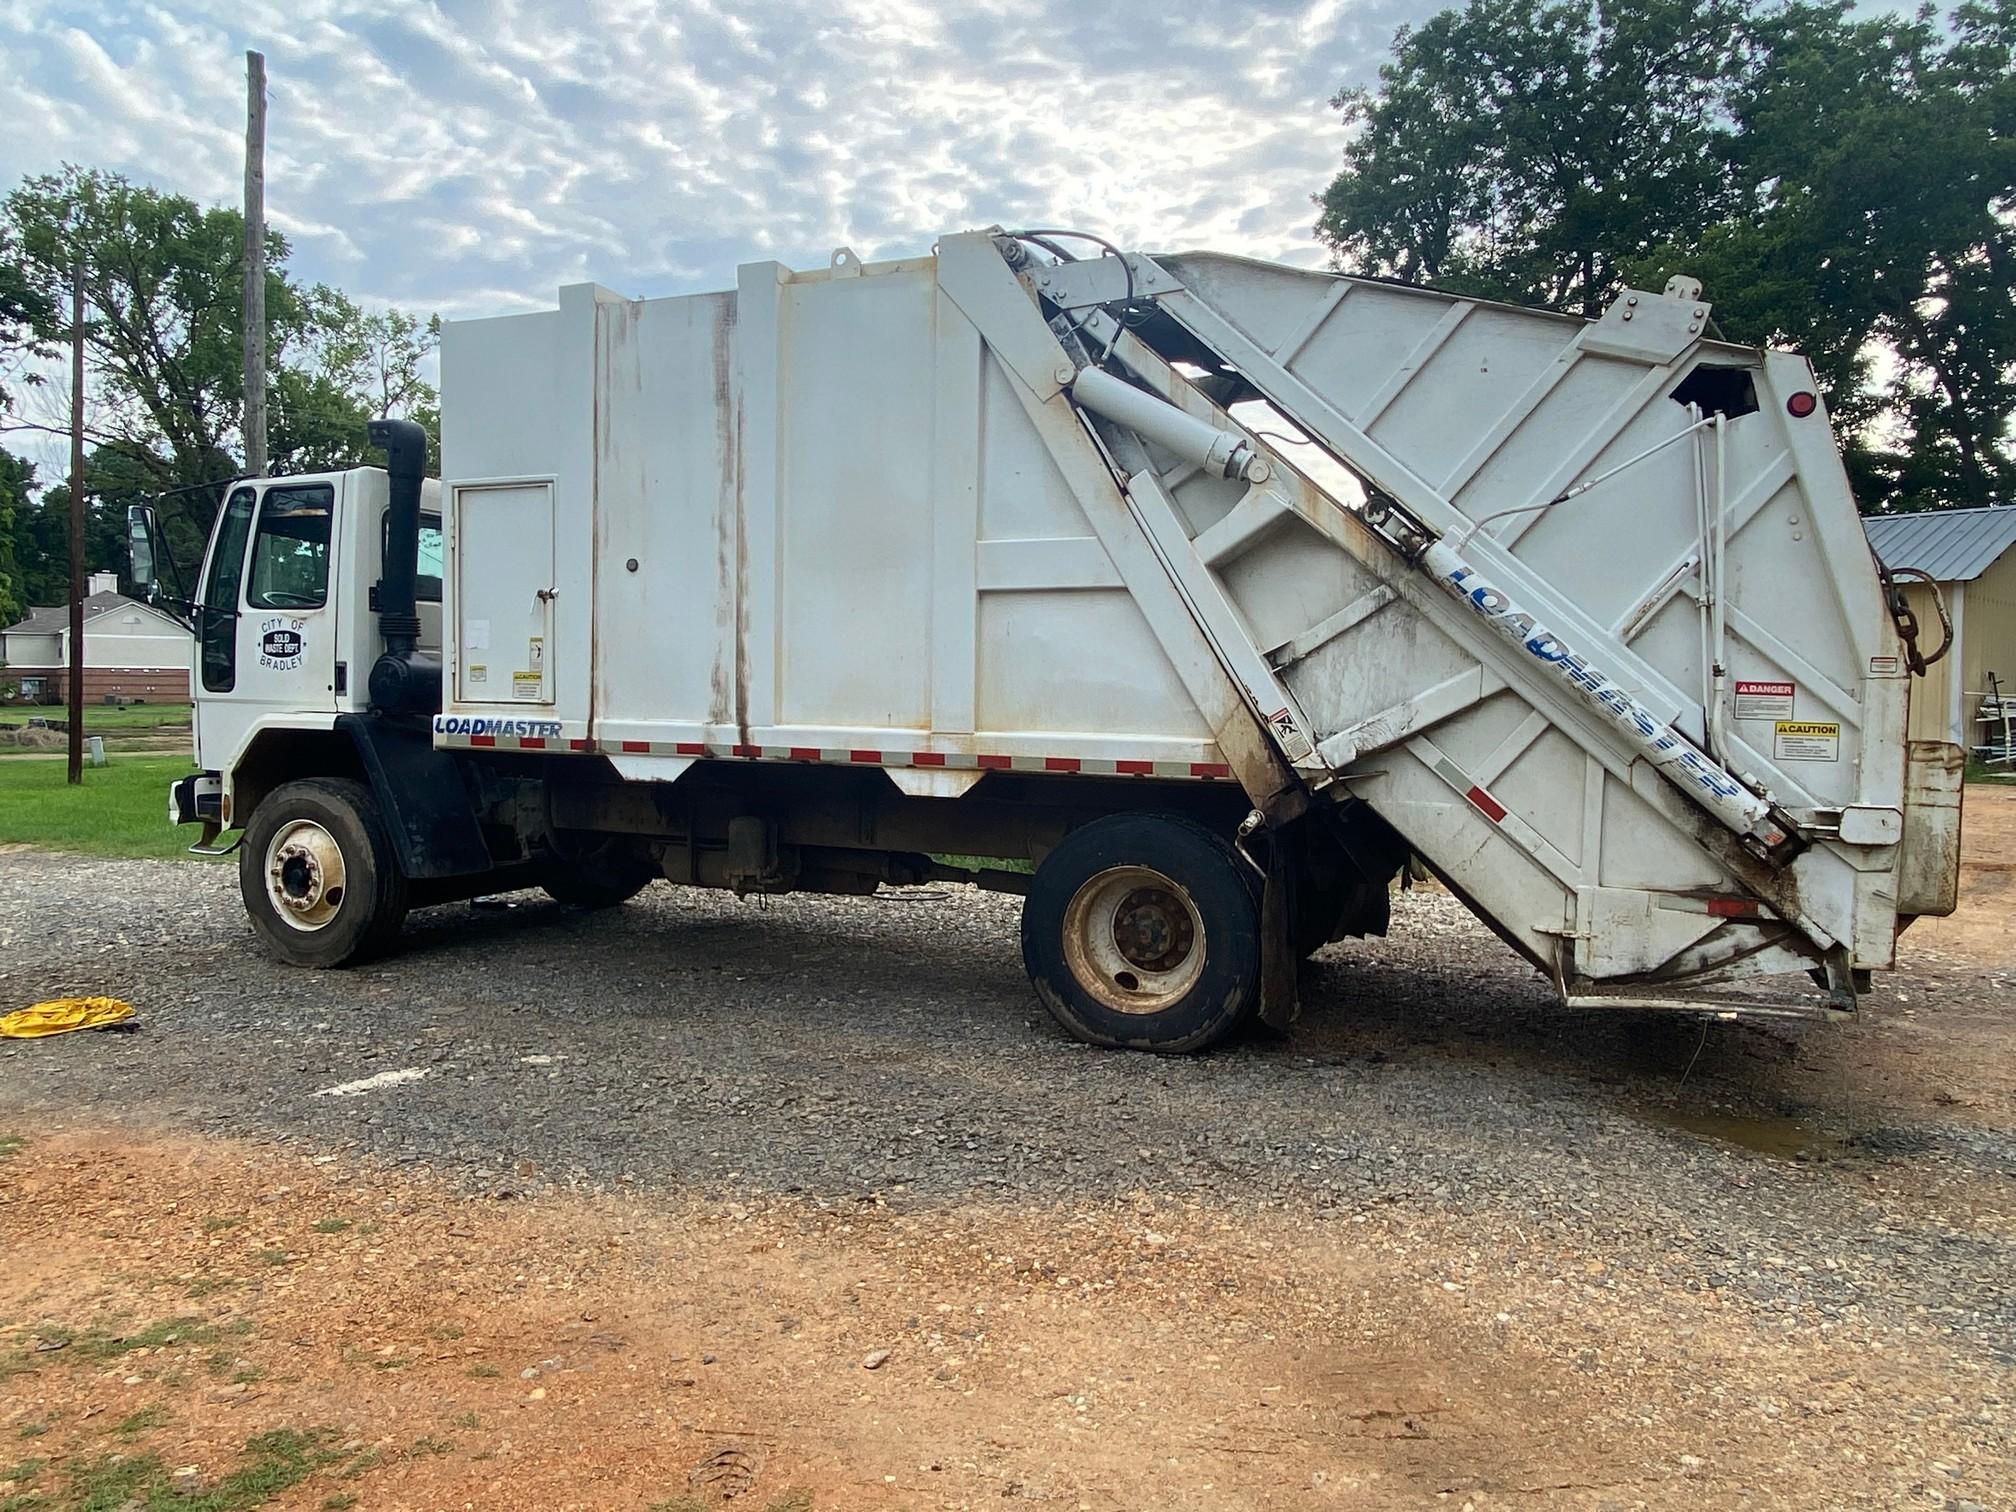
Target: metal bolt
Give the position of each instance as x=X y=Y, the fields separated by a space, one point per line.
x=1064 y=372
x=1632 y=300
x=631 y=565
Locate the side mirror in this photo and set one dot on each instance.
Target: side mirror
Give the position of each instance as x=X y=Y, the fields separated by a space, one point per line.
x=140 y=549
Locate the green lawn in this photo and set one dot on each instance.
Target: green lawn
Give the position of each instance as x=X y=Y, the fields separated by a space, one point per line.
x=120 y=810
x=101 y=719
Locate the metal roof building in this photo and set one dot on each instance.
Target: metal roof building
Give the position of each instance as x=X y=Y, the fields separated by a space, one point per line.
x=1954 y=545
x=1971 y=553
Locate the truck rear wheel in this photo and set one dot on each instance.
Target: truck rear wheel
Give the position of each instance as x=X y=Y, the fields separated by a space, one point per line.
x=1141 y=931
x=319 y=876
x=600 y=882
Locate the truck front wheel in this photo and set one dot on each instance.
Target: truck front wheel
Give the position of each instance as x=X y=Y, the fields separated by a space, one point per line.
x=318 y=874
x=1141 y=931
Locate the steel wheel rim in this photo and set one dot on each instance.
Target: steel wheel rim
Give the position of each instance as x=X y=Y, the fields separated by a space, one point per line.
x=1134 y=939
x=306 y=880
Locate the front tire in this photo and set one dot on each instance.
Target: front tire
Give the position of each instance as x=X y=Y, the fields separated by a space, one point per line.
x=318 y=874
x=1141 y=931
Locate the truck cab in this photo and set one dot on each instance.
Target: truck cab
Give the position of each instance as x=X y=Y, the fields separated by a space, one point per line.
x=284 y=617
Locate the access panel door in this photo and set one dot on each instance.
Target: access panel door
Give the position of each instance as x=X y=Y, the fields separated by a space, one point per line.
x=502 y=535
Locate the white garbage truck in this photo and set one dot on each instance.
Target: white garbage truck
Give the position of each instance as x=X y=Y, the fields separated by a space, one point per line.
x=1219 y=593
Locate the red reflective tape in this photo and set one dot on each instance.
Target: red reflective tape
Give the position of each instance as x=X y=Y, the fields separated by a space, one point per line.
x=580 y=745
x=1210 y=769
x=690 y=748
x=531 y=743
x=927 y=758
x=873 y=758
x=1490 y=807
x=804 y=753
x=1135 y=768
x=642 y=747
x=1060 y=763
x=482 y=740
x=1732 y=908
x=745 y=750
x=996 y=763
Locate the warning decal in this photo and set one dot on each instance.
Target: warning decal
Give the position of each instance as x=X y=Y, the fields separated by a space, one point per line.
x=527 y=687
x=1806 y=740
x=1764 y=700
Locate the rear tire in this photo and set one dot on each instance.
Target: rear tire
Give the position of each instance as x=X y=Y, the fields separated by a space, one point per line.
x=603 y=882
x=1141 y=931
x=318 y=874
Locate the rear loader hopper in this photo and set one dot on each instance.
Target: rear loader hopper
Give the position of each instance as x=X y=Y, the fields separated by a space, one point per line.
x=1215 y=588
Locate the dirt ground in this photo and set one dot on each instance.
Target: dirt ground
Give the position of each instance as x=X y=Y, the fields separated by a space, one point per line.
x=562 y=1353
x=210 y=1325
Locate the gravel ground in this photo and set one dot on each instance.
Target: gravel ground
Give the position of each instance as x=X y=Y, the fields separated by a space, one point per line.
x=890 y=1050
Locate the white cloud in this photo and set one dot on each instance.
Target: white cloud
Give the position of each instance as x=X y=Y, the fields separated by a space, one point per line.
x=437 y=150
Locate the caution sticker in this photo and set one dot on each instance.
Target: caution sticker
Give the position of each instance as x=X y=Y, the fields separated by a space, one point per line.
x=1765 y=700
x=478 y=672
x=527 y=687
x=1806 y=740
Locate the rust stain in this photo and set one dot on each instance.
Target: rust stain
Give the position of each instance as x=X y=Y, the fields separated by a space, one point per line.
x=741 y=579
x=728 y=514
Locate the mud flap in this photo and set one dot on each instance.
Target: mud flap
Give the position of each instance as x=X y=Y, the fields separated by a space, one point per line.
x=1280 y=1005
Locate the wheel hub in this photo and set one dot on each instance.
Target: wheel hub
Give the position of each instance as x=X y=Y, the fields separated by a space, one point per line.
x=305 y=876
x=1134 y=940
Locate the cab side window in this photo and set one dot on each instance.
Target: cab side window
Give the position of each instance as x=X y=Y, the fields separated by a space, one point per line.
x=290 y=554
x=219 y=610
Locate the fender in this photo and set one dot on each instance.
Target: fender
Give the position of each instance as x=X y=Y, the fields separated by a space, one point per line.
x=424 y=796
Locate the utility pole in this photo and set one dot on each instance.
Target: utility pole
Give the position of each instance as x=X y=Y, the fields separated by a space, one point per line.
x=76 y=679
x=255 y=264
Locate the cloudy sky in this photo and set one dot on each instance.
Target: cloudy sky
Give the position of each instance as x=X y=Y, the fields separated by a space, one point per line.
x=469 y=158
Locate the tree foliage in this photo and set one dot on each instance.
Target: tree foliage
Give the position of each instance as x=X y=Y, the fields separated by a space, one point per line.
x=162 y=281
x=1839 y=184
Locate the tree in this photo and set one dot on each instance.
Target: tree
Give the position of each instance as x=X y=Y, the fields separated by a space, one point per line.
x=162 y=279
x=16 y=478
x=1839 y=185
x=1524 y=148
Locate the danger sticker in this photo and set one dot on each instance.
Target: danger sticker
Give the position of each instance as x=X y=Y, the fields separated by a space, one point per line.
x=1806 y=740
x=527 y=687
x=1764 y=700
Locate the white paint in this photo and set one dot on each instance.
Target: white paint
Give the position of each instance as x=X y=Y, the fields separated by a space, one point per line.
x=373 y=1083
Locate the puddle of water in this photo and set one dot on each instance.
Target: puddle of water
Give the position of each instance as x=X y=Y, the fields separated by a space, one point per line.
x=1775 y=1138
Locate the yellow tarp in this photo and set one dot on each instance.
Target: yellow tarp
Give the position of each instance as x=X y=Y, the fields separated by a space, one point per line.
x=61 y=1015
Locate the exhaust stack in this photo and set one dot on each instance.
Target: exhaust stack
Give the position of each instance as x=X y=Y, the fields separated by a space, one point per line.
x=405 y=680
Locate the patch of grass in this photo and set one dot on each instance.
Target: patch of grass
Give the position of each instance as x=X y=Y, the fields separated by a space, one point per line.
x=366 y=1461
x=11 y=1145
x=25 y=1501
x=272 y=1463
x=216 y=1225
x=27 y=1470
x=141 y=1421
x=446 y=1331
x=209 y=1286
x=33 y=1430
x=795 y=1500
x=428 y=1447
x=986 y=863
x=271 y=1256
x=101 y=1346
x=342 y=1501
x=484 y=1372
x=118 y=810
x=330 y=1225
x=678 y=1504
x=464 y=1420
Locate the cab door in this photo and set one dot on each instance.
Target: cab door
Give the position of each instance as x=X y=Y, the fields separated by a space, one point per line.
x=265 y=631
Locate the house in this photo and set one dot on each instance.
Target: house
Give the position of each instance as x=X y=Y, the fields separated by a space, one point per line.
x=130 y=649
x=1971 y=554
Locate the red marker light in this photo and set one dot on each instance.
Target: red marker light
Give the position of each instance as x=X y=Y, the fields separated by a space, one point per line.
x=1801 y=404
